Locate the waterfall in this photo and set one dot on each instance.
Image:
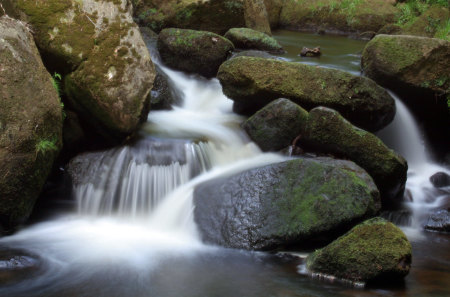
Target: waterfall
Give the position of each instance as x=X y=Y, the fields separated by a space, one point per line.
x=404 y=136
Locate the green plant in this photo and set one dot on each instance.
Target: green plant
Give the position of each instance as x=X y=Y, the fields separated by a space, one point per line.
x=443 y=32
x=56 y=82
x=45 y=146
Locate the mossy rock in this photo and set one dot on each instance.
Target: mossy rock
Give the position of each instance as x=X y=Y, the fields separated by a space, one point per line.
x=286 y=203
x=30 y=123
x=327 y=131
x=411 y=62
x=332 y=16
x=214 y=15
x=99 y=47
x=256 y=17
x=193 y=51
x=373 y=250
x=276 y=125
x=245 y=38
x=254 y=82
x=416 y=69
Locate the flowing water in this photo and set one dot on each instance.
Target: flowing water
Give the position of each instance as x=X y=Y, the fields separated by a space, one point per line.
x=132 y=232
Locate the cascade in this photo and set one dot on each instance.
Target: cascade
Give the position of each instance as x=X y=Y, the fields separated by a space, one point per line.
x=404 y=136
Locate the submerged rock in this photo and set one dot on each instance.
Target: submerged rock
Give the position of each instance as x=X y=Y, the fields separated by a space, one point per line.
x=328 y=132
x=285 y=203
x=245 y=38
x=30 y=123
x=439 y=221
x=254 y=82
x=276 y=125
x=99 y=46
x=193 y=51
x=373 y=250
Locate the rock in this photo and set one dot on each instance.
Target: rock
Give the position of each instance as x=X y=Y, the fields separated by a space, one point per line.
x=273 y=8
x=276 y=125
x=193 y=51
x=439 y=221
x=99 y=47
x=373 y=250
x=428 y=23
x=283 y=204
x=30 y=123
x=440 y=179
x=214 y=15
x=254 y=82
x=162 y=97
x=256 y=17
x=411 y=62
x=253 y=53
x=245 y=38
x=328 y=132
x=415 y=68
x=310 y=52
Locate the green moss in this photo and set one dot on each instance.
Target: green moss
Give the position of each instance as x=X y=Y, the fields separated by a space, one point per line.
x=312 y=201
x=373 y=249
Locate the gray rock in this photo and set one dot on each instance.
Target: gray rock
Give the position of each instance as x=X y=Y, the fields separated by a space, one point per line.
x=285 y=203
x=439 y=221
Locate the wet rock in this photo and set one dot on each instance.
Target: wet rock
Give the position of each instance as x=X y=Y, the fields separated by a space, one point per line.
x=193 y=51
x=440 y=180
x=254 y=82
x=162 y=96
x=327 y=131
x=245 y=38
x=276 y=125
x=16 y=265
x=255 y=15
x=285 y=203
x=373 y=250
x=310 y=52
x=439 y=221
x=99 y=48
x=30 y=123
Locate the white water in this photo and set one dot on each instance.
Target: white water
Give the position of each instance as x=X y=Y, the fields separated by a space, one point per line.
x=404 y=136
x=134 y=210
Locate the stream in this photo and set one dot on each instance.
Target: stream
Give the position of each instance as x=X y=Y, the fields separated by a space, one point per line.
x=128 y=230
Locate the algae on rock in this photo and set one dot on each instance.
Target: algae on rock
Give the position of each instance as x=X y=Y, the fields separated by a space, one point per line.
x=373 y=250
x=30 y=123
x=254 y=82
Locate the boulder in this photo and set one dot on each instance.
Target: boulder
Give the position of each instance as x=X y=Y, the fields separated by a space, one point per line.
x=276 y=125
x=193 y=51
x=439 y=221
x=30 y=123
x=416 y=68
x=254 y=82
x=284 y=203
x=328 y=132
x=255 y=15
x=245 y=38
x=99 y=47
x=408 y=62
x=273 y=8
x=214 y=15
x=440 y=180
x=373 y=250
